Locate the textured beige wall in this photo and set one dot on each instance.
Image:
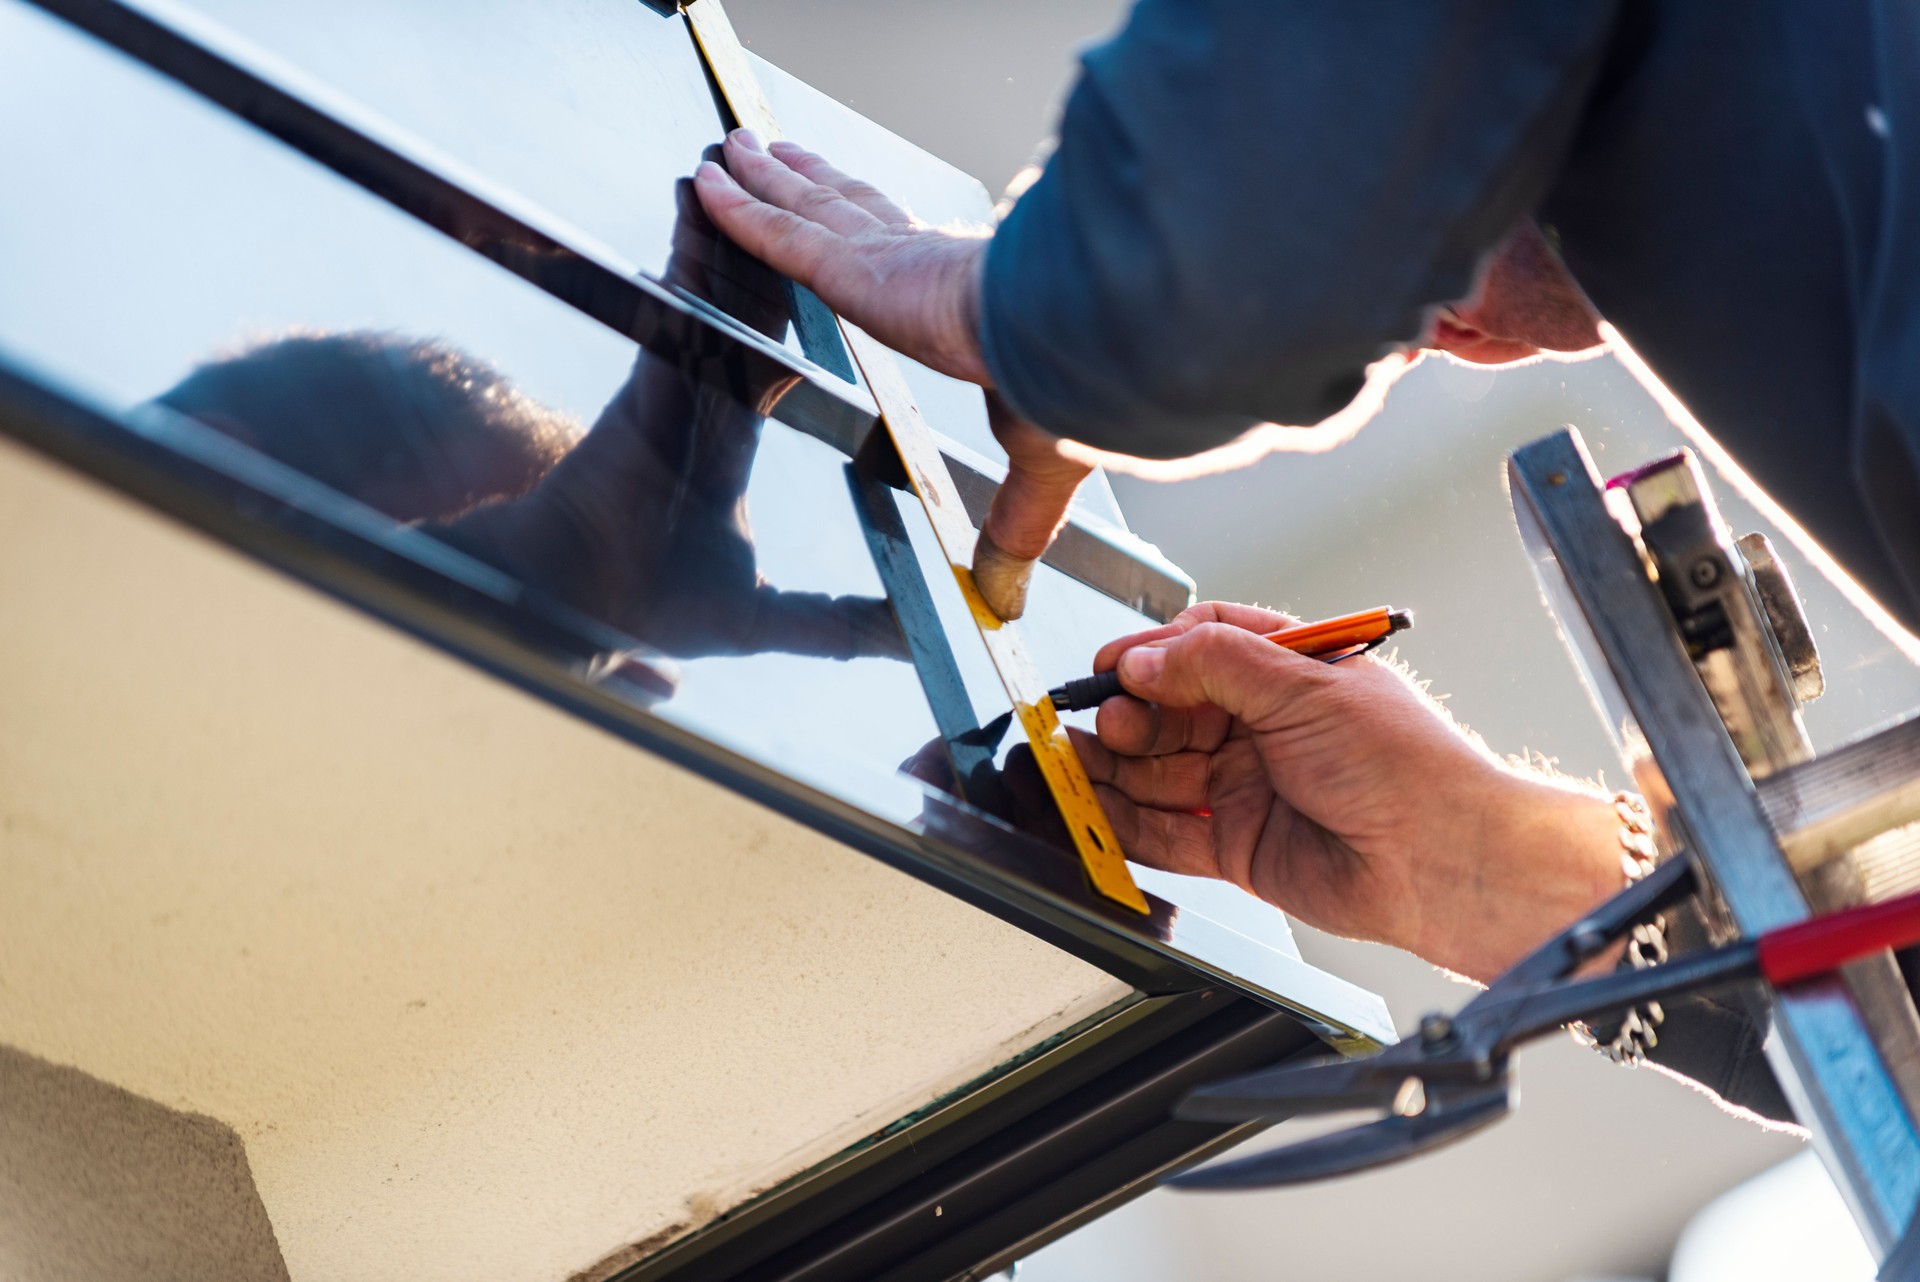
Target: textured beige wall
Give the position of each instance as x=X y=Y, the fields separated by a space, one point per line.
x=485 y=992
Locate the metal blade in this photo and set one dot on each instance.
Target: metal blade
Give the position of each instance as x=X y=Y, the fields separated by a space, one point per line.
x=1359 y=1148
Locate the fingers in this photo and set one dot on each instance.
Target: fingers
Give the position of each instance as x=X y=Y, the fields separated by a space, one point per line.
x=1028 y=510
x=1251 y=617
x=786 y=242
x=1141 y=729
x=1233 y=669
x=913 y=288
x=772 y=180
x=863 y=194
x=1174 y=782
x=1138 y=729
x=1165 y=839
x=1043 y=474
x=1109 y=654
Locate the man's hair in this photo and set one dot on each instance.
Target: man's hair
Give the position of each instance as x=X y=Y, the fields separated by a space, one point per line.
x=413 y=427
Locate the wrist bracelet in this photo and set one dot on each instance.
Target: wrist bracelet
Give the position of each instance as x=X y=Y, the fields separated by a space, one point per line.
x=1646 y=945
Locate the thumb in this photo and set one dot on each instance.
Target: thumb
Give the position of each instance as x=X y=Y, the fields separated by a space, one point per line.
x=1028 y=510
x=1238 y=671
x=1002 y=577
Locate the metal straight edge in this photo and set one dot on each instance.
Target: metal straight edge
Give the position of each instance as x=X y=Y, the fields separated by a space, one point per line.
x=556 y=258
x=447 y=601
x=1822 y=1049
x=1093 y=835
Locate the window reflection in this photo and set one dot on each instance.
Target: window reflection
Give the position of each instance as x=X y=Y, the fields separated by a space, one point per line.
x=411 y=427
x=641 y=521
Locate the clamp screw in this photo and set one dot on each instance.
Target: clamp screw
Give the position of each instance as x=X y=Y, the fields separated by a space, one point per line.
x=1705 y=572
x=1435 y=1029
x=1587 y=939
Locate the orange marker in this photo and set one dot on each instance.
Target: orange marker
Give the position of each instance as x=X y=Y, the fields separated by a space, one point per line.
x=1329 y=639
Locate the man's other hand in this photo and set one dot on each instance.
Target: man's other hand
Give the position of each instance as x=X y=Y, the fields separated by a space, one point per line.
x=1339 y=792
x=915 y=288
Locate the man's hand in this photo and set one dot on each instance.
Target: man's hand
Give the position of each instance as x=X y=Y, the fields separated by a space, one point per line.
x=1340 y=792
x=913 y=287
x=916 y=289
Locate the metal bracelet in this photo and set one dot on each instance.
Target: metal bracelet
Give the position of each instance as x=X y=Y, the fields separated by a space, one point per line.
x=1646 y=946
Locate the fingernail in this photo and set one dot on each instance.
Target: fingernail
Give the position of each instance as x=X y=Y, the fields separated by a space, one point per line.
x=715 y=176
x=1143 y=665
x=1003 y=578
x=749 y=140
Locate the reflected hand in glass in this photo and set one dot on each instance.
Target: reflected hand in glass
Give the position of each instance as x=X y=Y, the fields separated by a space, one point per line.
x=642 y=523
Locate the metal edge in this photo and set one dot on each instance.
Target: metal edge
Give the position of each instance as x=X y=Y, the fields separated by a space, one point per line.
x=1068 y=1144
x=934 y=1134
x=1821 y=809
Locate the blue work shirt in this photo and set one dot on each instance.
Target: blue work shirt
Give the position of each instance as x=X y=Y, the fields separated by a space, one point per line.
x=1251 y=200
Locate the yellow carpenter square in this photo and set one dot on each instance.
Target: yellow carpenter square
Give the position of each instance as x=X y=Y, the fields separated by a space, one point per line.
x=1072 y=791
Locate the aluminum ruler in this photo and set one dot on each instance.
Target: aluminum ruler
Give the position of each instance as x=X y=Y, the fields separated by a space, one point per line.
x=1093 y=836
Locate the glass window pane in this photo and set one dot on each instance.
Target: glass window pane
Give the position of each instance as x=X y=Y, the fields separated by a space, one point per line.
x=172 y=254
x=178 y=263
x=591 y=110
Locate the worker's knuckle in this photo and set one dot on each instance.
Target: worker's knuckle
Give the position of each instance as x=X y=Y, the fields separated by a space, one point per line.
x=790 y=235
x=1182 y=775
x=1216 y=643
x=817 y=200
x=1202 y=612
x=1343 y=700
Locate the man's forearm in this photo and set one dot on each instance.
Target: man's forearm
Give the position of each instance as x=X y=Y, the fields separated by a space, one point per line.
x=1539 y=853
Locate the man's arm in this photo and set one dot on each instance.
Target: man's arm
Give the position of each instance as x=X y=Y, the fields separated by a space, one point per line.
x=1252 y=200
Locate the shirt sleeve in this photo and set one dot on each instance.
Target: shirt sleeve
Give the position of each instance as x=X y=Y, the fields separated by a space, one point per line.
x=1252 y=200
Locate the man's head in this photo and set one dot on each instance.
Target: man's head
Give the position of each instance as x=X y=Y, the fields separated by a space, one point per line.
x=412 y=427
x=1525 y=303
